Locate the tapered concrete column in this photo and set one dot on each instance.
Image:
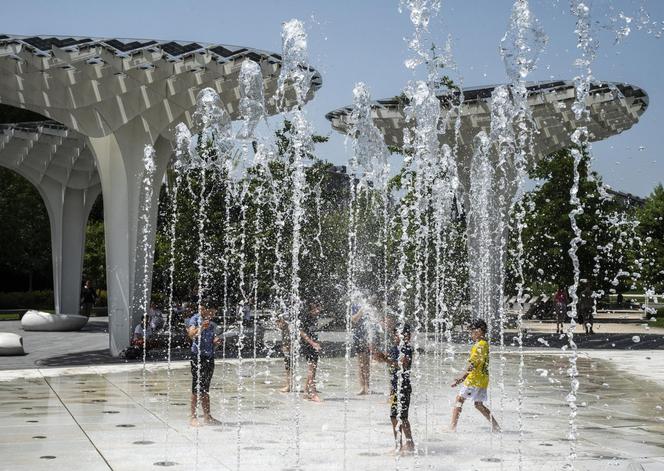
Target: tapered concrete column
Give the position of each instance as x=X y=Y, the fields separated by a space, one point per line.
x=121 y=170
x=68 y=213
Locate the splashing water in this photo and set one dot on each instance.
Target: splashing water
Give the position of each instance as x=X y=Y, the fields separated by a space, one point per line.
x=252 y=101
x=512 y=129
x=146 y=231
x=294 y=66
x=580 y=138
x=369 y=162
x=370 y=155
x=295 y=70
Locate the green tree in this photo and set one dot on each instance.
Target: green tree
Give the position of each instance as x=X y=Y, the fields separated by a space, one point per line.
x=604 y=254
x=94 y=256
x=651 y=229
x=25 y=234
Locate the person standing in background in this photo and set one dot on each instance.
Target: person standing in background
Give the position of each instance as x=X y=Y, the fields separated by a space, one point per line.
x=88 y=298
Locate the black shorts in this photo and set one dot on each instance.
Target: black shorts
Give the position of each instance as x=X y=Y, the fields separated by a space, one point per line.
x=206 y=372
x=309 y=353
x=404 y=399
x=360 y=345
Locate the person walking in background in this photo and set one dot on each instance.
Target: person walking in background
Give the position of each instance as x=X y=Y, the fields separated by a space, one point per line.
x=88 y=298
x=560 y=308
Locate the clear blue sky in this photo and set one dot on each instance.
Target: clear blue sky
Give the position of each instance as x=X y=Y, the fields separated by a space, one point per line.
x=363 y=40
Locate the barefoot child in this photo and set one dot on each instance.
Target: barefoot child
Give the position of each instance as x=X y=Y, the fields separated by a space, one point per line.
x=310 y=347
x=475 y=378
x=399 y=359
x=201 y=331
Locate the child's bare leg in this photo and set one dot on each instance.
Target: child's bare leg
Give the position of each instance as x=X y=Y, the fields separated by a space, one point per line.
x=456 y=412
x=484 y=410
x=287 y=386
x=310 y=390
x=363 y=361
x=405 y=428
x=205 y=403
x=395 y=424
x=193 y=420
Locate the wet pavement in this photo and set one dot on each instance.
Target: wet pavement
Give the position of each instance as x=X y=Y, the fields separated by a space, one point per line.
x=89 y=346
x=124 y=418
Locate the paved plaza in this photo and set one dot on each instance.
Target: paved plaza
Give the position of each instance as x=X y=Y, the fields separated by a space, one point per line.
x=90 y=345
x=122 y=417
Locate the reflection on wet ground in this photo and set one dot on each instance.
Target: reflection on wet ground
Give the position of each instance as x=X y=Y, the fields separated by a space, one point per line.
x=99 y=418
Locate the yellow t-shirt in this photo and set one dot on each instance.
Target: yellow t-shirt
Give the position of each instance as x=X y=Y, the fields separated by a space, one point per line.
x=479 y=358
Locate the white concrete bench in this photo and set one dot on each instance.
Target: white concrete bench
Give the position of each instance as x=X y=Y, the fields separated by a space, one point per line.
x=11 y=344
x=45 y=322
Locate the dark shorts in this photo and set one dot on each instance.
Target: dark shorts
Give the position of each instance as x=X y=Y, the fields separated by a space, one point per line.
x=206 y=371
x=405 y=404
x=360 y=345
x=309 y=353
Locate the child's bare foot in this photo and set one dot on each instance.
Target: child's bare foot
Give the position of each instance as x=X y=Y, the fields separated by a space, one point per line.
x=193 y=422
x=209 y=420
x=362 y=392
x=408 y=449
x=285 y=389
x=313 y=397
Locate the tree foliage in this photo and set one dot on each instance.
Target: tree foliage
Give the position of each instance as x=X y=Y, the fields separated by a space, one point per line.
x=25 y=235
x=606 y=254
x=651 y=229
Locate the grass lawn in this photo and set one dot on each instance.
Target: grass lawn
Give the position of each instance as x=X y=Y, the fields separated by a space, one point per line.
x=10 y=316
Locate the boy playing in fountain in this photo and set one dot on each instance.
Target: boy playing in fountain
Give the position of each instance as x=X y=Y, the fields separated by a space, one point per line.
x=399 y=359
x=475 y=377
x=201 y=331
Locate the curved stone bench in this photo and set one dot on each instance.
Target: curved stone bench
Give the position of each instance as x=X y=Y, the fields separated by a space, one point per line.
x=45 y=322
x=11 y=344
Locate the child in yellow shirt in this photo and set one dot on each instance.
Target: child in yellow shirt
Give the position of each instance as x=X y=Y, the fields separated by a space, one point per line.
x=475 y=377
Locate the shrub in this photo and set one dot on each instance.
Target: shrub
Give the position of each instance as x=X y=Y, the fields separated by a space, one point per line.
x=27 y=300
x=102 y=298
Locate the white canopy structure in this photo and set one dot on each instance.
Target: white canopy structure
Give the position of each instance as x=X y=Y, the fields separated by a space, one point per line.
x=102 y=102
x=613 y=108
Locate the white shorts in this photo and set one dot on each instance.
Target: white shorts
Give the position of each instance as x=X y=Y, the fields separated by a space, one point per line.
x=473 y=393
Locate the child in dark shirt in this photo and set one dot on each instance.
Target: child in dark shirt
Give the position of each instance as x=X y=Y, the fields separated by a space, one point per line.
x=202 y=332
x=399 y=360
